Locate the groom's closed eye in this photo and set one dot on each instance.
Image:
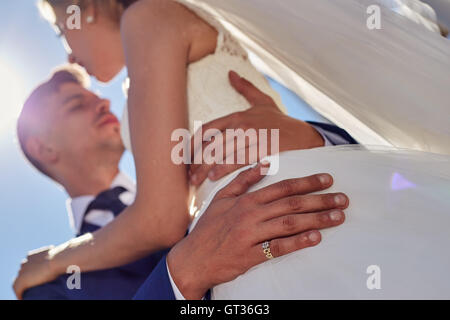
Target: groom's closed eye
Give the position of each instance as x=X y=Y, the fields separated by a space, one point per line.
x=72 y=97
x=73 y=103
x=76 y=107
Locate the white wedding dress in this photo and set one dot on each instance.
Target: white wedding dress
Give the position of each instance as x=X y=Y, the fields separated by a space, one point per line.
x=398 y=221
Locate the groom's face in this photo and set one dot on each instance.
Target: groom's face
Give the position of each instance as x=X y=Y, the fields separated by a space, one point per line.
x=79 y=122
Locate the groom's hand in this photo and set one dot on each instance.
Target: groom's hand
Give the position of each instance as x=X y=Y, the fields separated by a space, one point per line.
x=264 y=114
x=227 y=240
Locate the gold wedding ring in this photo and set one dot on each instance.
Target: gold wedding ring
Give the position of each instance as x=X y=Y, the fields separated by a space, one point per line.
x=266 y=249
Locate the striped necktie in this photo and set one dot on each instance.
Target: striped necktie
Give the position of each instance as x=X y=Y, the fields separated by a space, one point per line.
x=107 y=200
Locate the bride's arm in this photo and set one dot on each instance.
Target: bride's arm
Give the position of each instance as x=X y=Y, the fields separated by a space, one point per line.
x=156 y=60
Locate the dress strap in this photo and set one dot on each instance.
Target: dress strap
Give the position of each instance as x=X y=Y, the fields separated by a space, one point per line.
x=220 y=39
x=207 y=17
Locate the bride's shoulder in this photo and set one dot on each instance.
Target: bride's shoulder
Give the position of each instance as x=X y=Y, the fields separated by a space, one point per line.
x=159 y=20
x=149 y=22
x=155 y=13
x=153 y=21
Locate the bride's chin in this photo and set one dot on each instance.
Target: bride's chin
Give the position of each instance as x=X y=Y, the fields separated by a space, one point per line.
x=102 y=78
x=106 y=76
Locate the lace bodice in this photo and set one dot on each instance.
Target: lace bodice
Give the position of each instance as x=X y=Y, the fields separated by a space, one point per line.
x=210 y=95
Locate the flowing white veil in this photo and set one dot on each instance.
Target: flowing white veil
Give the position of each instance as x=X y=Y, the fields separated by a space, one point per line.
x=386 y=87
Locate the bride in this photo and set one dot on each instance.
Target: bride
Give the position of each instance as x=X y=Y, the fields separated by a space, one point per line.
x=178 y=58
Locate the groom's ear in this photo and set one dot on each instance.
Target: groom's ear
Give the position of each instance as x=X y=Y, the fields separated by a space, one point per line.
x=45 y=154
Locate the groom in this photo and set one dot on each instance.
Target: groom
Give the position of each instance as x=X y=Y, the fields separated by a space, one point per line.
x=88 y=165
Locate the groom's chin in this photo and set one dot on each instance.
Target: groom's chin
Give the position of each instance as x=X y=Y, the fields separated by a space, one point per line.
x=110 y=132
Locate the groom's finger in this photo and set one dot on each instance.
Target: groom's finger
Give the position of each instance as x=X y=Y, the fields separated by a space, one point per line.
x=242 y=182
x=283 y=246
x=251 y=149
x=220 y=125
x=292 y=224
x=304 y=204
x=199 y=146
x=253 y=95
x=291 y=187
x=216 y=171
x=200 y=171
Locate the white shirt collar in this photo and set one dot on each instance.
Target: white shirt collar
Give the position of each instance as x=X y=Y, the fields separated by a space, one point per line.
x=78 y=205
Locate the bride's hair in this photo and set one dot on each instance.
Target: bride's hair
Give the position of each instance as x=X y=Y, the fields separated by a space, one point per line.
x=114 y=8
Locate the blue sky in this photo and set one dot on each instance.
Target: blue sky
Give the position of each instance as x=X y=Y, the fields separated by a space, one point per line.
x=33 y=208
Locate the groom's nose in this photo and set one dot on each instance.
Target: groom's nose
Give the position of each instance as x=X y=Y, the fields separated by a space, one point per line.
x=102 y=106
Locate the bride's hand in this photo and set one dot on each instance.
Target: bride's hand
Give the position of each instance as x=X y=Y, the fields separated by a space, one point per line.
x=35 y=270
x=264 y=114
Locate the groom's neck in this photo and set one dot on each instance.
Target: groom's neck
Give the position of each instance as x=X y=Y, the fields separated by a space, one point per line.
x=90 y=177
x=93 y=184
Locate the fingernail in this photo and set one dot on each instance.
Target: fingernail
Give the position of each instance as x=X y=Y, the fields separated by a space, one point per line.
x=336 y=215
x=340 y=200
x=313 y=236
x=211 y=174
x=325 y=179
x=194 y=178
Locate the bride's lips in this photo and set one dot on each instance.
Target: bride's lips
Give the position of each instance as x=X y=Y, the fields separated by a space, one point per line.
x=107 y=119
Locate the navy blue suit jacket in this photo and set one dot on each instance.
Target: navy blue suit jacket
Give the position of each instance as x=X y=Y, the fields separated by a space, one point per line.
x=158 y=286
x=112 y=284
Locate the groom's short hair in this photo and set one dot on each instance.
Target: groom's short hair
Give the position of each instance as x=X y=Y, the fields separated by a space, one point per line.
x=31 y=115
